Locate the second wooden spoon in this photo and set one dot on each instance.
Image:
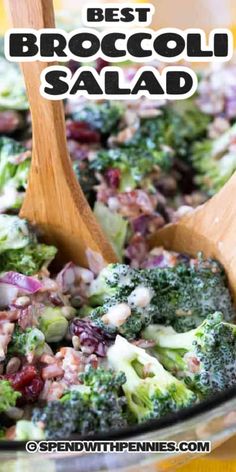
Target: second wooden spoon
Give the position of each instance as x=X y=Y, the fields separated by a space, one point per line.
x=210 y=229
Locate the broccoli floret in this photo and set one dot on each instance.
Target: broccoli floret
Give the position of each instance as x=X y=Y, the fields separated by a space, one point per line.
x=12 y=87
x=19 y=250
x=150 y=390
x=14 y=233
x=130 y=328
x=205 y=357
x=116 y=280
x=185 y=123
x=28 y=260
x=57 y=419
x=181 y=296
x=87 y=179
x=101 y=116
x=123 y=293
x=26 y=343
x=95 y=405
x=214 y=162
x=187 y=293
x=26 y=430
x=135 y=163
x=176 y=126
x=8 y=396
x=14 y=170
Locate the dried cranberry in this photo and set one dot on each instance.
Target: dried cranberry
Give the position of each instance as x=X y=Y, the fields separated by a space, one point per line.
x=113 y=177
x=23 y=377
x=28 y=382
x=31 y=392
x=73 y=65
x=82 y=132
x=100 y=64
x=93 y=340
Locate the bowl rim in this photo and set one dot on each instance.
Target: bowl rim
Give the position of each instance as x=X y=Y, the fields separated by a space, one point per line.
x=150 y=426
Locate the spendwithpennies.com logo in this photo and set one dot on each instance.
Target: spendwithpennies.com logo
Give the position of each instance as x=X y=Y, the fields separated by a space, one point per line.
x=118 y=446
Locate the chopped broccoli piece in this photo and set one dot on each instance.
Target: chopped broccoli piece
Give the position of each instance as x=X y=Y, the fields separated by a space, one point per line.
x=19 y=250
x=181 y=296
x=26 y=430
x=28 y=260
x=28 y=342
x=118 y=287
x=214 y=162
x=205 y=357
x=135 y=163
x=14 y=233
x=53 y=324
x=14 y=170
x=101 y=116
x=58 y=419
x=177 y=126
x=185 y=123
x=8 y=396
x=150 y=390
x=114 y=226
x=87 y=179
x=95 y=405
x=12 y=88
x=187 y=293
x=117 y=281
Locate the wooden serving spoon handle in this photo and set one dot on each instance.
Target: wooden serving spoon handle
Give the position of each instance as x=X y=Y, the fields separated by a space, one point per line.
x=54 y=200
x=211 y=229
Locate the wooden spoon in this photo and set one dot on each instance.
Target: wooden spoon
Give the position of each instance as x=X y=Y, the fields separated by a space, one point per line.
x=54 y=200
x=211 y=229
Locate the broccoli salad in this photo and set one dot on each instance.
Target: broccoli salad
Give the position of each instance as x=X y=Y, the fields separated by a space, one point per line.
x=89 y=350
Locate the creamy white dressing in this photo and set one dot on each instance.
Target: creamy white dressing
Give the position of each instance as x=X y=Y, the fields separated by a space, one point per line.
x=140 y=297
x=117 y=314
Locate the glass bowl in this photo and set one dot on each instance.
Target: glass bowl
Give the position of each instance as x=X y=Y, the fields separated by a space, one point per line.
x=212 y=420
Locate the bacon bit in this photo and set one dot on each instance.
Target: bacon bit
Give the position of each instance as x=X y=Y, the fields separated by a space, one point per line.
x=123 y=136
x=73 y=362
x=144 y=343
x=56 y=391
x=47 y=359
x=49 y=285
x=25 y=318
x=11 y=315
x=93 y=361
x=6 y=330
x=11 y=433
x=193 y=363
x=52 y=371
x=136 y=202
x=95 y=261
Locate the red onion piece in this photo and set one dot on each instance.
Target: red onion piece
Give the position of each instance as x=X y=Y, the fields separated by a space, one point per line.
x=22 y=282
x=66 y=277
x=8 y=293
